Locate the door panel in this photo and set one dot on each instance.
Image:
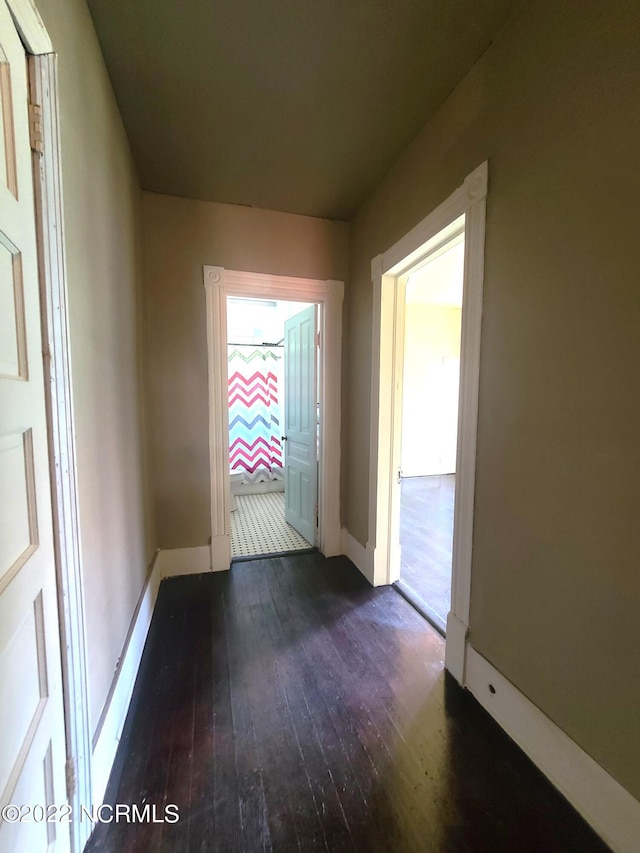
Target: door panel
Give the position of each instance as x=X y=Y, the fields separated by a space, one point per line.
x=32 y=746
x=300 y=417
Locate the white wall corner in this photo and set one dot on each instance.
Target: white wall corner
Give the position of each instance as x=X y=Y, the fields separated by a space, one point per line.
x=610 y=809
x=185 y=561
x=360 y=556
x=106 y=745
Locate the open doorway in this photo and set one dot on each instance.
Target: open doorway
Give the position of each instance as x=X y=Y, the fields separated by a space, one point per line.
x=219 y=284
x=429 y=432
x=273 y=365
x=463 y=214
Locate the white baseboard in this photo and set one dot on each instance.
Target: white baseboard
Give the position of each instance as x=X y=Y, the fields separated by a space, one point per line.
x=611 y=810
x=259 y=488
x=360 y=556
x=184 y=561
x=105 y=747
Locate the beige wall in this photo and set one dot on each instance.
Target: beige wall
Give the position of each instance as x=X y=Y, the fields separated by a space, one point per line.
x=102 y=235
x=555 y=593
x=180 y=236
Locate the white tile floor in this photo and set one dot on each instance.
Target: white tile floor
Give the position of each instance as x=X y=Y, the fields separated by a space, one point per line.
x=258 y=527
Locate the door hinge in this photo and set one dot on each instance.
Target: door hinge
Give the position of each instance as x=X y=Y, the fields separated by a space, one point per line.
x=36 y=137
x=318 y=339
x=70 y=774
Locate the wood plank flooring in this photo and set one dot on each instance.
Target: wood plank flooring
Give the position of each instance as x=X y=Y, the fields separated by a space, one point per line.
x=426 y=537
x=288 y=706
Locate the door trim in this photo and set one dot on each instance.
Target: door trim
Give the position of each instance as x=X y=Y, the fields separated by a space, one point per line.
x=47 y=176
x=387 y=274
x=220 y=283
x=32 y=30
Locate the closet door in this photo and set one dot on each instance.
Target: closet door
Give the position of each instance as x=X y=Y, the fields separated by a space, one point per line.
x=32 y=745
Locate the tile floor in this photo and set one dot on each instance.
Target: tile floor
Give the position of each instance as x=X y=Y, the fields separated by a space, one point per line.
x=258 y=527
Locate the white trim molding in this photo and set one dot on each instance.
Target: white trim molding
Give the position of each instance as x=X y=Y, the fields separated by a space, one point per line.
x=113 y=717
x=43 y=91
x=47 y=175
x=606 y=806
x=220 y=283
x=33 y=33
x=464 y=211
x=168 y=563
x=184 y=561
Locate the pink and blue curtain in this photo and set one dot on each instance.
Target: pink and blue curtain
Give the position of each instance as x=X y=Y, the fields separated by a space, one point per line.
x=255 y=447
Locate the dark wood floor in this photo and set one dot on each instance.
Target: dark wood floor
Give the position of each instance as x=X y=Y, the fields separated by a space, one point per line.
x=426 y=537
x=288 y=706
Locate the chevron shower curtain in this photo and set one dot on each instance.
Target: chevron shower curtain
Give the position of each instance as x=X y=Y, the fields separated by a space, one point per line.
x=254 y=412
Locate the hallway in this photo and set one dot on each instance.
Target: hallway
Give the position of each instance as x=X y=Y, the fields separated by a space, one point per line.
x=287 y=705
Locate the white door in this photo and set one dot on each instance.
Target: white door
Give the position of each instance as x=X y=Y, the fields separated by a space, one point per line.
x=32 y=746
x=301 y=424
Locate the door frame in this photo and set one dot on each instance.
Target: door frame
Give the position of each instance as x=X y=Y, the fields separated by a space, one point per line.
x=47 y=178
x=465 y=208
x=220 y=283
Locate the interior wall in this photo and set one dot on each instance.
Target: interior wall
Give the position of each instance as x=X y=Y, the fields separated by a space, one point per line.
x=181 y=235
x=553 y=104
x=103 y=252
x=429 y=390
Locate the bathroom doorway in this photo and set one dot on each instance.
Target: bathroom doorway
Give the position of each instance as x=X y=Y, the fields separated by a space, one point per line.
x=273 y=364
x=219 y=284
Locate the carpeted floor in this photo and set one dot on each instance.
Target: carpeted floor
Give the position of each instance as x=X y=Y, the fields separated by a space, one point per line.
x=258 y=527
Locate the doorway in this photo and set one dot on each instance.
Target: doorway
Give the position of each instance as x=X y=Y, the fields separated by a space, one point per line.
x=429 y=429
x=463 y=213
x=273 y=357
x=220 y=284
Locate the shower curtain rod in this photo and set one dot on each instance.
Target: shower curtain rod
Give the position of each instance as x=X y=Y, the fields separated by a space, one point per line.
x=265 y=344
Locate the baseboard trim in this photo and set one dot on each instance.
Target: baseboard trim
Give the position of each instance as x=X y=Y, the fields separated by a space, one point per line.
x=259 y=488
x=360 y=556
x=112 y=720
x=611 y=810
x=184 y=561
